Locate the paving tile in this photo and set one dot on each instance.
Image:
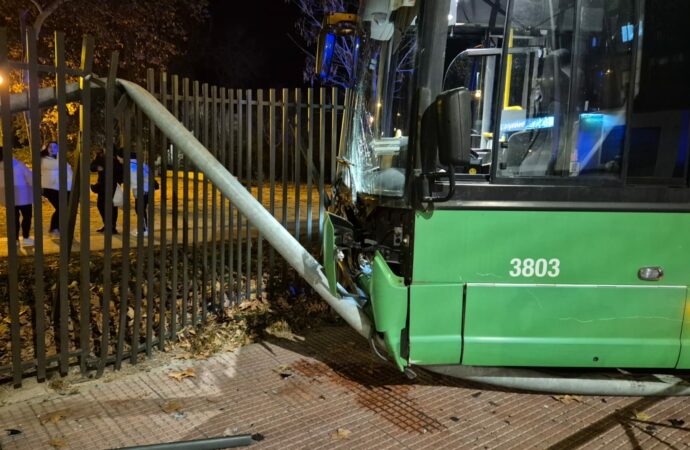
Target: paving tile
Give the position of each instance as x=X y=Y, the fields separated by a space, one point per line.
x=299 y=393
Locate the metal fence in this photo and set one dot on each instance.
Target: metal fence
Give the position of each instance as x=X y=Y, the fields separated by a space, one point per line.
x=181 y=251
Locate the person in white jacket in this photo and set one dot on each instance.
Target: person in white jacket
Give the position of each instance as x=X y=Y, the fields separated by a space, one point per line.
x=50 y=182
x=23 y=197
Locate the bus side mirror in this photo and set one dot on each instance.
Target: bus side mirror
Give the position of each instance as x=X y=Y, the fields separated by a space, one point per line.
x=454 y=127
x=324 y=55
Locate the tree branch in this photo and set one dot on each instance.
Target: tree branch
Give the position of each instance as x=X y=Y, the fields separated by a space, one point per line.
x=44 y=13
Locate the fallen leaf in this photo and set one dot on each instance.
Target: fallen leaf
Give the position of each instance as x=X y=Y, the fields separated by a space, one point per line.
x=567 y=399
x=13 y=432
x=171 y=406
x=642 y=416
x=342 y=433
x=455 y=419
x=187 y=373
x=57 y=443
x=676 y=422
x=476 y=394
x=284 y=371
x=53 y=417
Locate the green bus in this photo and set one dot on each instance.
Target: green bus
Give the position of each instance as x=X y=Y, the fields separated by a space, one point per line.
x=512 y=185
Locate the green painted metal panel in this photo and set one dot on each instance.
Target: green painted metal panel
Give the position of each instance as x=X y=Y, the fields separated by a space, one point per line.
x=592 y=247
x=329 y=263
x=562 y=307
x=684 y=359
x=435 y=324
x=514 y=325
x=389 y=305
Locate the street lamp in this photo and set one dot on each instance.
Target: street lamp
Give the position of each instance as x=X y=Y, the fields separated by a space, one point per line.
x=1 y=79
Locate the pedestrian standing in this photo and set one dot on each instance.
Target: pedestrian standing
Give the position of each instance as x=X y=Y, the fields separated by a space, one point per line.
x=98 y=166
x=50 y=182
x=144 y=190
x=23 y=198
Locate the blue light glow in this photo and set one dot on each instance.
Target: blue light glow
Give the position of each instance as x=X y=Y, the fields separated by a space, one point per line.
x=627 y=32
x=537 y=123
x=327 y=56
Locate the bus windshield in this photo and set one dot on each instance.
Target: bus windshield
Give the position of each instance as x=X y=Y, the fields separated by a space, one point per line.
x=374 y=156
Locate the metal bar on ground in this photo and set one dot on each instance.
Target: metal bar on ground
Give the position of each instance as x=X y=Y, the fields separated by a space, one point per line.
x=163 y=237
x=11 y=214
x=248 y=276
x=200 y=444
x=84 y=202
x=38 y=316
x=62 y=327
x=109 y=219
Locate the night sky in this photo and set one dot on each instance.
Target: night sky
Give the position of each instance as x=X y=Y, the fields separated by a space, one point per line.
x=246 y=45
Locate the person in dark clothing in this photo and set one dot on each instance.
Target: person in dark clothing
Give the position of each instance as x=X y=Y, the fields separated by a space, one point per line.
x=98 y=166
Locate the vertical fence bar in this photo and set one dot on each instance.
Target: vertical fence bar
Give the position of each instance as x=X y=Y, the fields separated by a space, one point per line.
x=240 y=151
x=110 y=221
x=62 y=332
x=185 y=210
x=163 y=236
x=222 y=156
x=271 y=174
x=38 y=312
x=284 y=169
x=334 y=130
x=310 y=159
x=175 y=211
x=248 y=277
x=213 y=117
x=85 y=149
x=148 y=195
x=204 y=221
x=322 y=158
x=260 y=186
x=298 y=159
x=126 y=126
x=231 y=212
x=13 y=277
x=195 y=220
x=137 y=187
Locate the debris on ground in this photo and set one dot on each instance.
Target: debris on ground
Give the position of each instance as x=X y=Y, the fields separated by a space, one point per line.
x=567 y=399
x=181 y=375
x=342 y=433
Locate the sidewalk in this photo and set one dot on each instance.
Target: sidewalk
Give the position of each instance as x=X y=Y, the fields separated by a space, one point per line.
x=326 y=391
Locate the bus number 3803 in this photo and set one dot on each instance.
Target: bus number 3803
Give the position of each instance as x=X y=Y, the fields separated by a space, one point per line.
x=539 y=268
